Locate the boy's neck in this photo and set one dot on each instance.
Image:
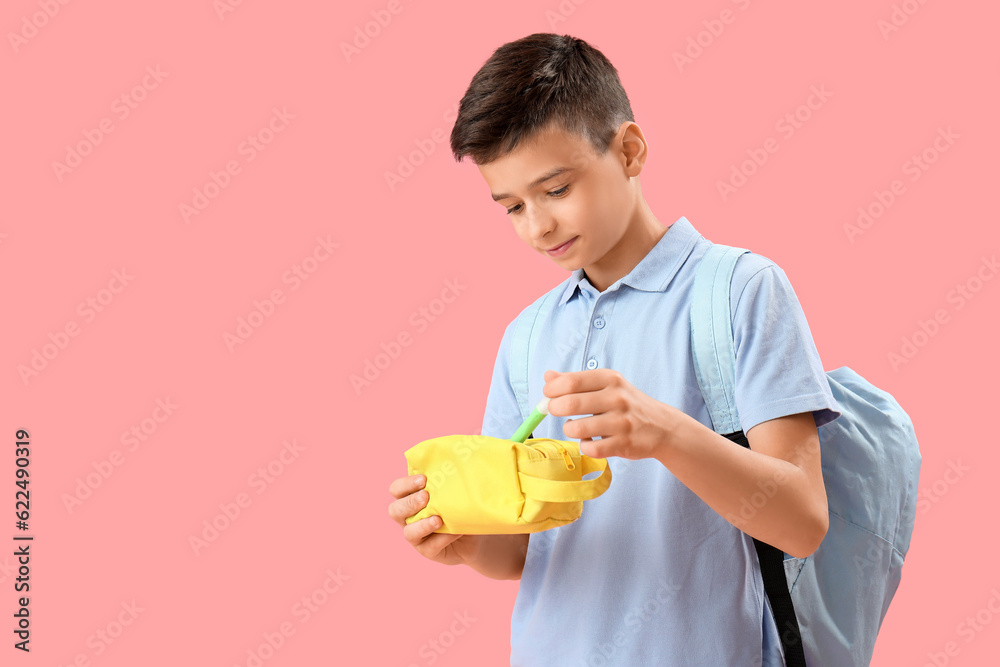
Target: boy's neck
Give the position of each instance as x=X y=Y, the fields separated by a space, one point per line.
x=643 y=233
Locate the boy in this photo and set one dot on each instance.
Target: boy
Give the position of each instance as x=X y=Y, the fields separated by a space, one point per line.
x=661 y=569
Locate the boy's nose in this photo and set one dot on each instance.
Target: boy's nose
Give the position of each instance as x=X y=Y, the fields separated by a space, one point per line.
x=540 y=224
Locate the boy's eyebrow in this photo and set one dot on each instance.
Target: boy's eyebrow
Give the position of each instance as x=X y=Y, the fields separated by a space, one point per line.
x=535 y=183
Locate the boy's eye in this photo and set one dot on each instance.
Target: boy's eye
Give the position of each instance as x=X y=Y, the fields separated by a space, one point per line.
x=554 y=193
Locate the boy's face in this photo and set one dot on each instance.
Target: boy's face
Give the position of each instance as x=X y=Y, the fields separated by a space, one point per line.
x=589 y=203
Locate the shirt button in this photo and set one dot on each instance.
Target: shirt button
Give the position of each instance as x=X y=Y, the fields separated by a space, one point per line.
x=592 y=363
x=599 y=323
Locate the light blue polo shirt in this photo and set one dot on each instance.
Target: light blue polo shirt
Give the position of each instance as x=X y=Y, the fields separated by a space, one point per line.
x=650 y=574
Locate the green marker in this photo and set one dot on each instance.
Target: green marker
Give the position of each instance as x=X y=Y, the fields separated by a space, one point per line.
x=533 y=420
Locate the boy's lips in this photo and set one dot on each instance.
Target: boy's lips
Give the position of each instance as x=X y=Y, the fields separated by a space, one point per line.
x=560 y=249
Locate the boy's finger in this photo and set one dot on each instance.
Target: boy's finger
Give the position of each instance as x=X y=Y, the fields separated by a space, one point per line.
x=418 y=530
x=404 y=486
x=405 y=507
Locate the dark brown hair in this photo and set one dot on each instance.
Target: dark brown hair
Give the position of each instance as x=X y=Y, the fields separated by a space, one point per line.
x=530 y=82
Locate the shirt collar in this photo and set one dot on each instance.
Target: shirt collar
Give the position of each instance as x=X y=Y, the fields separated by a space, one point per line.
x=654 y=271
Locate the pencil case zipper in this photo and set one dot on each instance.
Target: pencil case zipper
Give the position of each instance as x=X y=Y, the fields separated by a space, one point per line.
x=567 y=458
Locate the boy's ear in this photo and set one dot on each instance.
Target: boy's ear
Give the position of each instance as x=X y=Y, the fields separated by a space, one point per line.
x=633 y=147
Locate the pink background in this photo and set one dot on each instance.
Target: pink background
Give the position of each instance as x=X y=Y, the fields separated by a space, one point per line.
x=324 y=175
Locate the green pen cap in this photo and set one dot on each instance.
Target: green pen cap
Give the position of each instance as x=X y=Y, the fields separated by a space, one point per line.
x=533 y=420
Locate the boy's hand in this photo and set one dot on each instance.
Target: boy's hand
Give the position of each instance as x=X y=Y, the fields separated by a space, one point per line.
x=493 y=556
x=630 y=423
x=439 y=547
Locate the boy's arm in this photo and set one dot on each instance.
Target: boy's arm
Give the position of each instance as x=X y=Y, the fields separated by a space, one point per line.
x=773 y=491
x=500 y=556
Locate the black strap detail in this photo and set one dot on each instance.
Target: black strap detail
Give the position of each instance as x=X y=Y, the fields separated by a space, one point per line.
x=772 y=570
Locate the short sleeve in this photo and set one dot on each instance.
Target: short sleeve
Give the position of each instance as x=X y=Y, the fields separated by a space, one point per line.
x=502 y=416
x=778 y=369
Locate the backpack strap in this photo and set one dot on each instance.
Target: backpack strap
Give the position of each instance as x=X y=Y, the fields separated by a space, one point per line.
x=715 y=368
x=523 y=341
x=712 y=335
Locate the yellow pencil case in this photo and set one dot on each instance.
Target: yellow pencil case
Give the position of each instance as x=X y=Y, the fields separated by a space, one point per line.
x=480 y=485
